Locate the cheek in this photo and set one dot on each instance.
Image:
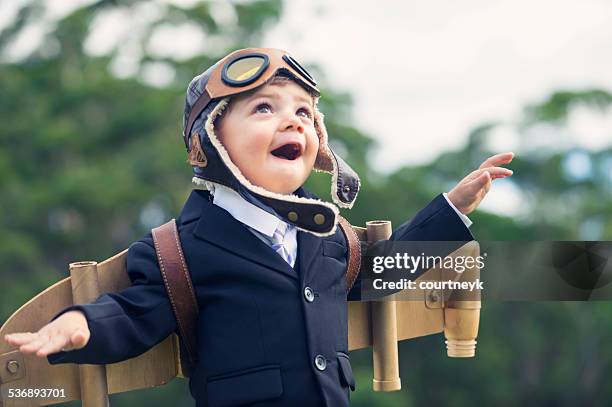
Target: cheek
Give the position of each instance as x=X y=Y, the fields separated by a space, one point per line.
x=256 y=139
x=259 y=143
x=249 y=145
x=313 y=144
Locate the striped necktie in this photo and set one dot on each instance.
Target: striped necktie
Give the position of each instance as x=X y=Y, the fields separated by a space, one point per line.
x=278 y=243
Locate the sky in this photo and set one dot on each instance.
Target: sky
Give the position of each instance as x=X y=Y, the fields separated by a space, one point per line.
x=422 y=74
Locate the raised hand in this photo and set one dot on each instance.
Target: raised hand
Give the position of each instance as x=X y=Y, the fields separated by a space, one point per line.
x=471 y=190
x=69 y=331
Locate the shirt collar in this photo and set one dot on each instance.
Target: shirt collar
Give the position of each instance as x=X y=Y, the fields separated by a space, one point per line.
x=245 y=212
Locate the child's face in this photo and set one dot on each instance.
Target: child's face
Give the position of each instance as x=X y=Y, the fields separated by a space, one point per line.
x=270 y=136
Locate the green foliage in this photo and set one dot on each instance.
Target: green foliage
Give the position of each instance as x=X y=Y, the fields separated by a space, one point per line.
x=558 y=105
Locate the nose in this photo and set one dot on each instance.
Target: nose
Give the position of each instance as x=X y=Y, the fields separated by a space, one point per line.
x=293 y=122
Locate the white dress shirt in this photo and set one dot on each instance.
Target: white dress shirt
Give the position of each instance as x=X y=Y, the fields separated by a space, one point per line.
x=261 y=223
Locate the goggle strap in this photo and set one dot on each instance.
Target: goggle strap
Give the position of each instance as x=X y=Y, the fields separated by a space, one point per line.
x=197 y=109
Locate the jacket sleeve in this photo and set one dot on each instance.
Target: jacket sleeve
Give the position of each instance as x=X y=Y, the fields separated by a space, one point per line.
x=127 y=323
x=436 y=222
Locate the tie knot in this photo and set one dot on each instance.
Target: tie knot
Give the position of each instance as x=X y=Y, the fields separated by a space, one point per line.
x=279 y=233
x=278 y=243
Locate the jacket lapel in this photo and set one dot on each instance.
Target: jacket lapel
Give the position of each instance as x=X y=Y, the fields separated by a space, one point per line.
x=309 y=245
x=218 y=227
x=308 y=249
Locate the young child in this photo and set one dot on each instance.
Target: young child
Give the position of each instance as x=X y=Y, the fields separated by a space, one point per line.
x=265 y=256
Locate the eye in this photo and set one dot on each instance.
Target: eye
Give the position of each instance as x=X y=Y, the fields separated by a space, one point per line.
x=263 y=108
x=304 y=111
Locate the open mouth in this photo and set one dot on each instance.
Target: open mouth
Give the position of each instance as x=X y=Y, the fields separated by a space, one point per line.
x=289 y=151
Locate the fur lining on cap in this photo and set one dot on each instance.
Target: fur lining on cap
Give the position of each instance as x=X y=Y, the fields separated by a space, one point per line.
x=210 y=130
x=324 y=161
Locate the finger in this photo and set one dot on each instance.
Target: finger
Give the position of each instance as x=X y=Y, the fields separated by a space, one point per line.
x=497 y=159
x=79 y=339
x=18 y=339
x=471 y=189
x=487 y=184
x=477 y=185
x=495 y=172
x=32 y=346
x=472 y=176
x=56 y=344
x=498 y=172
x=485 y=178
x=496 y=176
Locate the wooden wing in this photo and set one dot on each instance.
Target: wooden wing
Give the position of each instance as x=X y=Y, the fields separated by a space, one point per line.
x=155 y=367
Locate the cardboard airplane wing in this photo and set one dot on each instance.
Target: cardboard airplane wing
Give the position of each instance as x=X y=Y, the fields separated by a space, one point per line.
x=64 y=382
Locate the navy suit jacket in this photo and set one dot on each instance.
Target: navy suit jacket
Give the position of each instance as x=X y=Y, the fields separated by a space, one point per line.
x=261 y=340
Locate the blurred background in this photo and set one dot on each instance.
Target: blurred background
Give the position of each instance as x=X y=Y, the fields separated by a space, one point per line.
x=415 y=96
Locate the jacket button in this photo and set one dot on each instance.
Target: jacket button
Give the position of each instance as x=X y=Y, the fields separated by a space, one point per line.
x=309 y=294
x=320 y=362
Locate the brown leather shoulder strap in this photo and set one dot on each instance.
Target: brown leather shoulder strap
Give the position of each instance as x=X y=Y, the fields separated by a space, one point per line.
x=178 y=284
x=354 y=252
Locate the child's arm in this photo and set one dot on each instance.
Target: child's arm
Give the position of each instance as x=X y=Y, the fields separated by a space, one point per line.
x=120 y=325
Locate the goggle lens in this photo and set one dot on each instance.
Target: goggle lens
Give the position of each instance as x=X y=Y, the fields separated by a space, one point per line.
x=245 y=70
